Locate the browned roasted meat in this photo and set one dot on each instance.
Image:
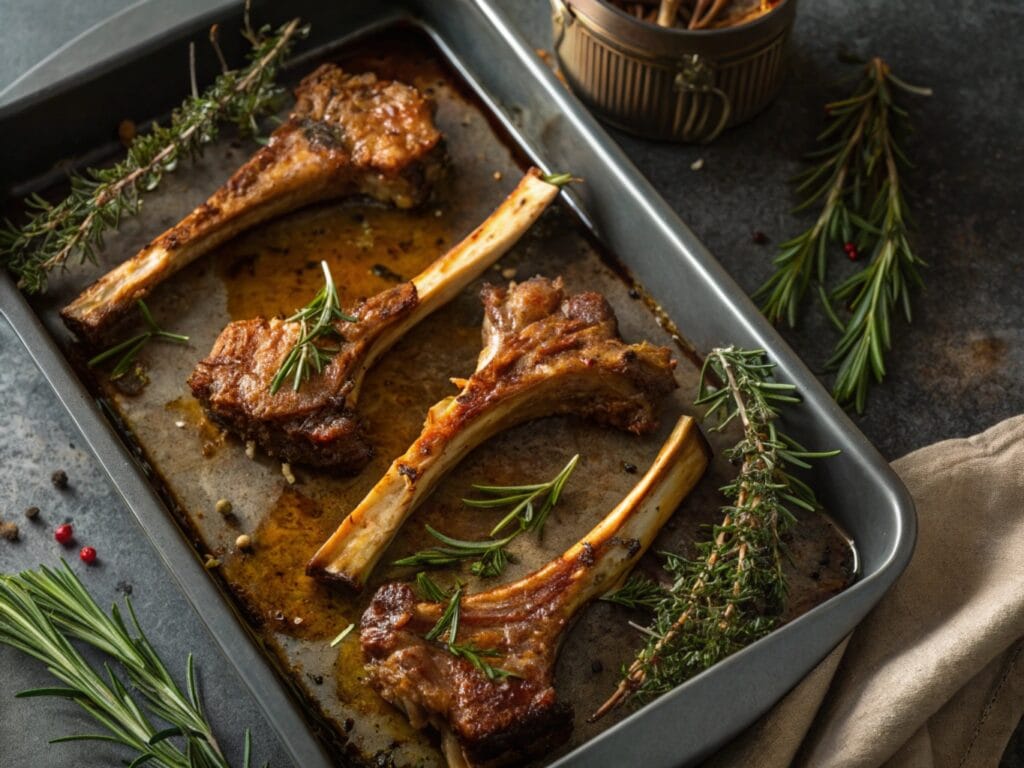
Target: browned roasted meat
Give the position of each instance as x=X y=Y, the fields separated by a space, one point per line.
x=317 y=424
x=544 y=353
x=348 y=135
x=504 y=721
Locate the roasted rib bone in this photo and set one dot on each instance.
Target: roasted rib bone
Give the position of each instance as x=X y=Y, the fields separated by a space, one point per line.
x=489 y=723
x=544 y=353
x=317 y=424
x=348 y=135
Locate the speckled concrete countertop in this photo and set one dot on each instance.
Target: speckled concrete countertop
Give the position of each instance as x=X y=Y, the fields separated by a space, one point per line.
x=960 y=368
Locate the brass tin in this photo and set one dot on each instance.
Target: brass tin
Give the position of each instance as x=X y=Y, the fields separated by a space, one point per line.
x=672 y=84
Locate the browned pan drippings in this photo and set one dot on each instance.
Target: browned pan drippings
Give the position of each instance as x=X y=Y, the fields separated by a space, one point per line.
x=273 y=270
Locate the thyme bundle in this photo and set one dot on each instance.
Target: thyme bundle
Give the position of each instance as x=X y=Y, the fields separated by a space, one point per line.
x=857 y=182
x=729 y=595
x=42 y=611
x=101 y=197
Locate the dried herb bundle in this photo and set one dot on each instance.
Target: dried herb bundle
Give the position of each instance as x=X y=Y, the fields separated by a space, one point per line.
x=729 y=595
x=697 y=14
x=101 y=197
x=856 y=180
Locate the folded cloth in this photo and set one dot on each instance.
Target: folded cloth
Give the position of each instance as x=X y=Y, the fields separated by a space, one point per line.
x=934 y=676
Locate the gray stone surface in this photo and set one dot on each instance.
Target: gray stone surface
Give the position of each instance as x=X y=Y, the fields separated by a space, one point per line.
x=958 y=369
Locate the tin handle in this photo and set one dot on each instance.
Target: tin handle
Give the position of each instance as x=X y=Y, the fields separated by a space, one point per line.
x=695 y=75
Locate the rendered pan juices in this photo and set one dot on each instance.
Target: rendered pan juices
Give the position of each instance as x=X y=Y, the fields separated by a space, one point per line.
x=274 y=269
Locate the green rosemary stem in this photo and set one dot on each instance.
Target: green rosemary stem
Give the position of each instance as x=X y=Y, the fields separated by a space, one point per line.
x=100 y=198
x=42 y=611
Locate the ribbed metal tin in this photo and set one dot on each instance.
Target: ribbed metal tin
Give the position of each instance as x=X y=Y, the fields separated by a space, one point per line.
x=673 y=84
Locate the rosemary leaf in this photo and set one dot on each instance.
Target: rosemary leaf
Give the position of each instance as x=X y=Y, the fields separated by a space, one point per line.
x=448 y=625
x=316 y=322
x=491 y=555
x=129 y=348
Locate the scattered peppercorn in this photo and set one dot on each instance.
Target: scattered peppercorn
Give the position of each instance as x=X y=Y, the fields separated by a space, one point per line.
x=508 y=273
x=634 y=293
x=851 y=251
x=244 y=542
x=629 y=467
x=59 y=479
x=223 y=507
x=8 y=530
x=596 y=666
x=64 y=533
x=31 y=512
x=88 y=555
x=759 y=237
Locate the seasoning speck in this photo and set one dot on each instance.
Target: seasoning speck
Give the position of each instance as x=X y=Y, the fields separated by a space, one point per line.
x=244 y=542
x=596 y=666
x=250 y=449
x=497 y=175
x=759 y=237
x=31 y=512
x=438 y=213
x=223 y=507
x=179 y=424
x=634 y=293
x=697 y=164
x=629 y=467
x=8 y=530
x=211 y=562
x=286 y=470
x=508 y=273
x=59 y=479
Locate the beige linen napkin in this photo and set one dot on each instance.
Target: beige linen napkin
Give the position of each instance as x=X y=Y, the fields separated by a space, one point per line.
x=934 y=677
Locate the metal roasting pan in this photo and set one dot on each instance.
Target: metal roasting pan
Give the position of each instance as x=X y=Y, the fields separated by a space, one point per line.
x=133 y=64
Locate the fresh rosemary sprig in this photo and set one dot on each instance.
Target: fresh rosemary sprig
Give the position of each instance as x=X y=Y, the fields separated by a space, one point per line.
x=638 y=593
x=100 y=198
x=522 y=498
x=490 y=553
x=129 y=348
x=731 y=593
x=448 y=625
x=42 y=611
x=857 y=180
x=316 y=324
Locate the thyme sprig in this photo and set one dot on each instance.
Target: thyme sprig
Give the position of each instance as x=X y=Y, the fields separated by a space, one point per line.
x=491 y=555
x=42 y=611
x=100 y=198
x=130 y=348
x=857 y=182
x=448 y=626
x=731 y=593
x=316 y=324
